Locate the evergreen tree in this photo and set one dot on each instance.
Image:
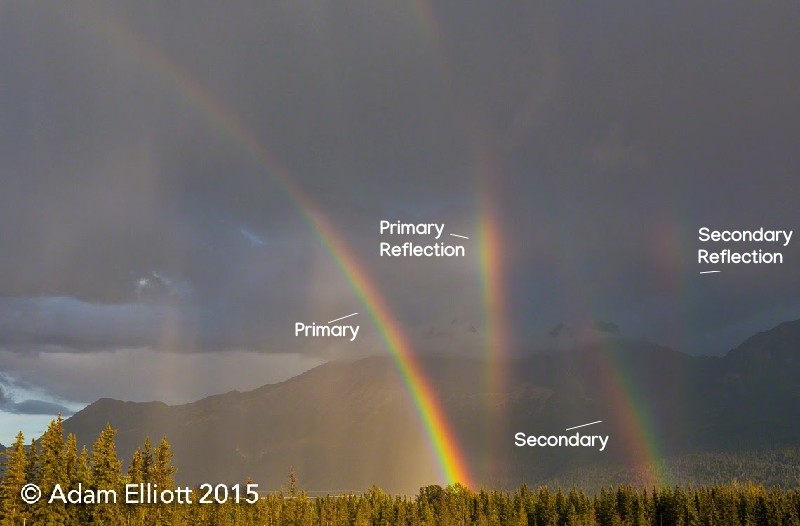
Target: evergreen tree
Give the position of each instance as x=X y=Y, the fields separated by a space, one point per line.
x=136 y=476
x=75 y=477
x=106 y=475
x=71 y=460
x=161 y=475
x=292 y=488
x=135 y=470
x=163 y=470
x=363 y=514
x=53 y=472
x=105 y=464
x=147 y=460
x=32 y=469
x=83 y=476
x=12 y=510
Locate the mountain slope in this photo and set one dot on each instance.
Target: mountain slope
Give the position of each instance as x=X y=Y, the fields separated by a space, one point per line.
x=349 y=425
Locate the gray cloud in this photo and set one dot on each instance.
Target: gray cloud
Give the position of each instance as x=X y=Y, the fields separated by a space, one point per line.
x=133 y=216
x=30 y=407
x=38 y=407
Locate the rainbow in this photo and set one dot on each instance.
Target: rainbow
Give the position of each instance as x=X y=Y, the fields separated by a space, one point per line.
x=626 y=398
x=491 y=258
x=487 y=173
x=452 y=464
x=628 y=403
x=491 y=251
x=641 y=437
x=490 y=232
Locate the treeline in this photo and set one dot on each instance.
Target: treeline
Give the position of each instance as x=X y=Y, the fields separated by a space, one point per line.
x=770 y=468
x=55 y=460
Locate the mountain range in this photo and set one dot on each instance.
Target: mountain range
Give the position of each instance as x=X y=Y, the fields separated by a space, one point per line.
x=345 y=426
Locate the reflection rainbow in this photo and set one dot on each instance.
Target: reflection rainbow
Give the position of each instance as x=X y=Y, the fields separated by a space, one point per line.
x=627 y=402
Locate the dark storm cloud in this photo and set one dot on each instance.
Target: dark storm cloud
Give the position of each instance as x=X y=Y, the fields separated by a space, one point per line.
x=130 y=216
x=73 y=324
x=666 y=120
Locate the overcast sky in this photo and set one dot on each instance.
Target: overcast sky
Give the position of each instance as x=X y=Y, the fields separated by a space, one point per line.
x=146 y=254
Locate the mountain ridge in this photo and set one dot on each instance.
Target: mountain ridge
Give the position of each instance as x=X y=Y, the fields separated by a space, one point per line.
x=352 y=424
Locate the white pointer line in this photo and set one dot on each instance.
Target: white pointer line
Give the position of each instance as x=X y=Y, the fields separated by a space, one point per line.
x=583 y=425
x=343 y=317
x=462 y=237
x=710 y=271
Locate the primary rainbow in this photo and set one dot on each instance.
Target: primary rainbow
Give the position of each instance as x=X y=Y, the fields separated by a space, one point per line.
x=491 y=245
x=452 y=463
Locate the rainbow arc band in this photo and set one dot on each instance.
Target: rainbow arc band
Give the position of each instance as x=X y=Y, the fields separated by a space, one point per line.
x=452 y=464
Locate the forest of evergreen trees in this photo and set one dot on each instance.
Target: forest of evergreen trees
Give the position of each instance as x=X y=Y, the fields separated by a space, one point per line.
x=770 y=468
x=55 y=460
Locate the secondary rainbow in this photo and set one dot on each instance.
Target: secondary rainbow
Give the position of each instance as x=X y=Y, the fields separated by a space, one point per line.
x=626 y=399
x=627 y=402
x=452 y=464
